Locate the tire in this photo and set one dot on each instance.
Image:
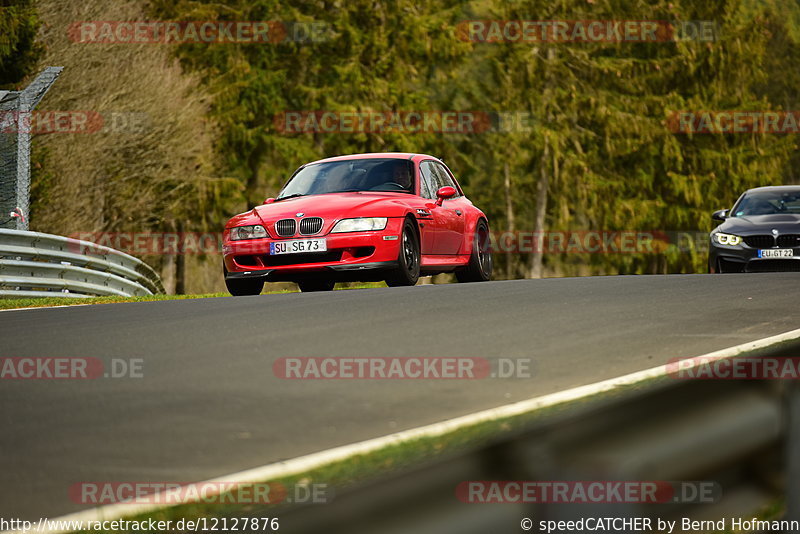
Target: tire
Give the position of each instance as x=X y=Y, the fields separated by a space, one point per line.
x=242 y=287
x=479 y=268
x=307 y=286
x=408 y=260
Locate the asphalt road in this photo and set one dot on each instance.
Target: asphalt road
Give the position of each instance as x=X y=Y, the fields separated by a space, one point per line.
x=208 y=403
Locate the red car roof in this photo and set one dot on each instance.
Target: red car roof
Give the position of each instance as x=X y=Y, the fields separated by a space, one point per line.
x=371 y=155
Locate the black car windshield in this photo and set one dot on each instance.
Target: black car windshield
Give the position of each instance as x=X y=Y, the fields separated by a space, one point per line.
x=374 y=174
x=768 y=203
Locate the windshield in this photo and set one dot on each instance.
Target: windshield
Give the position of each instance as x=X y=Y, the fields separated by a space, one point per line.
x=768 y=203
x=375 y=174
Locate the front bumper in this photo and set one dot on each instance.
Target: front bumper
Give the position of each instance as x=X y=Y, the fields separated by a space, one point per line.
x=744 y=259
x=357 y=256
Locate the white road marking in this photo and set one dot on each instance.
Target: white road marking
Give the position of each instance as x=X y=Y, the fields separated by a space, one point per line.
x=45 y=307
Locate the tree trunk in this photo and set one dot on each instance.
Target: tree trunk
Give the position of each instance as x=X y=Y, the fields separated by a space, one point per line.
x=168 y=274
x=539 y=241
x=180 y=274
x=545 y=177
x=180 y=263
x=510 y=264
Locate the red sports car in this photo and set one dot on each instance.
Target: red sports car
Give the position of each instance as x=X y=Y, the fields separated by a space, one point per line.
x=364 y=217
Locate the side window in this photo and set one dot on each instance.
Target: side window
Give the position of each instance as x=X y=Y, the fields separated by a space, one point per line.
x=444 y=178
x=427 y=180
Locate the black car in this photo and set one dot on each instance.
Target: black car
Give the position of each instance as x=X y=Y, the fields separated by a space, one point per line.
x=760 y=233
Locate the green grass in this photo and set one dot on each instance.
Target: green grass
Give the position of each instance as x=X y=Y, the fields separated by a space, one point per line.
x=44 y=302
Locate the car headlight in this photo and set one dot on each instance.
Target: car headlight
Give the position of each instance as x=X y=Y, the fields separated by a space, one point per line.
x=362 y=224
x=255 y=231
x=727 y=239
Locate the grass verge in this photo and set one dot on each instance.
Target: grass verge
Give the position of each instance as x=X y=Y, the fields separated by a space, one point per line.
x=46 y=302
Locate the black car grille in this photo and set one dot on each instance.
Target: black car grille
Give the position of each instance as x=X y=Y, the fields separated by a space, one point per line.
x=760 y=241
x=773 y=266
x=303 y=258
x=789 y=240
x=285 y=227
x=310 y=225
x=768 y=241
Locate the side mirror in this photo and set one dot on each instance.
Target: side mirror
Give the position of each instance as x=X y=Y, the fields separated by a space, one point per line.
x=720 y=215
x=444 y=193
x=270 y=200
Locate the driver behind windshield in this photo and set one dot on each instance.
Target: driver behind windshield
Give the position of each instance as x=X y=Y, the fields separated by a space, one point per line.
x=403 y=177
x=756 y=205
x=389 y=176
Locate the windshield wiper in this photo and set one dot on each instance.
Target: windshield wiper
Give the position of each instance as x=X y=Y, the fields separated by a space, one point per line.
x=293 y=195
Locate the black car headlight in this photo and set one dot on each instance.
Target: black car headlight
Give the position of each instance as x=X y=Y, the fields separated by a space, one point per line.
x=726 y=239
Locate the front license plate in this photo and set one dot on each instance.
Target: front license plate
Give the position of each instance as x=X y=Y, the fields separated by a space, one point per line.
x=776 y=253
x=296 y=246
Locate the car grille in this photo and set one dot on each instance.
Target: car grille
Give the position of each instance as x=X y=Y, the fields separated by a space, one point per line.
x=772 y=266
x=760 y=241
x=789 y=240
x=310 y=225
x=285 y=227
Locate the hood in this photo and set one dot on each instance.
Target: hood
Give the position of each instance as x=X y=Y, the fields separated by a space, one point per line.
x=785 y=223
x=336 y=206
x=248 y=217
x=330 y=206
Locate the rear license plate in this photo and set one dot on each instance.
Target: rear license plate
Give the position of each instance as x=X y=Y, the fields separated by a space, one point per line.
x=296 y=246
x=776 y=253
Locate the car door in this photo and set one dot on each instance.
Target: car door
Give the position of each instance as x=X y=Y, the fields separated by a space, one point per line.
x=428 y=223
x=450 y=215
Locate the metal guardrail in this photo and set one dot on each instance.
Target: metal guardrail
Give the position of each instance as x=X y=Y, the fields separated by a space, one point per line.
x=33 y=264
